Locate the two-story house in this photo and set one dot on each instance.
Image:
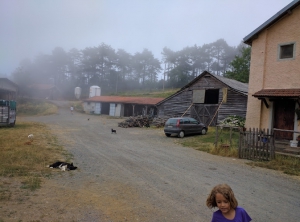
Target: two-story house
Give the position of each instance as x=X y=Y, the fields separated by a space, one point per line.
x=274 y=83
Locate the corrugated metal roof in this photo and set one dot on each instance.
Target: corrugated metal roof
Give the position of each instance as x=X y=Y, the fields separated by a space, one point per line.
x=123 y=99
x=291 y=93
x=286 y=10
x=234 y=84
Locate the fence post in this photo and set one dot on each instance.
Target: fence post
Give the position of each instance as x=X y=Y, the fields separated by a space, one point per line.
x=217 y=135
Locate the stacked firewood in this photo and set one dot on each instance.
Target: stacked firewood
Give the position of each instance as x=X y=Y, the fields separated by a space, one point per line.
x=143 y=121
x=136 y=121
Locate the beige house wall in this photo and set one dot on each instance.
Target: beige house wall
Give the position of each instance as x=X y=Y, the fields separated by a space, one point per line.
x=268 y=72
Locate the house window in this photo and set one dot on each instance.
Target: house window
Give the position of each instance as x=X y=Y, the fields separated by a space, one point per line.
x=287 y=51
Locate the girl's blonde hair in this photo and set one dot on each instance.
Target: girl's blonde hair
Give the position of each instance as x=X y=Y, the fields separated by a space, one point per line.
x=226 y=191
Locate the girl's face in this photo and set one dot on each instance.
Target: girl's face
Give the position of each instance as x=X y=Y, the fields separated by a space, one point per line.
x=222 y=203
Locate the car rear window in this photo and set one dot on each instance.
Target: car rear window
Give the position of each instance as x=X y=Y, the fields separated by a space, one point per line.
x=171 y=121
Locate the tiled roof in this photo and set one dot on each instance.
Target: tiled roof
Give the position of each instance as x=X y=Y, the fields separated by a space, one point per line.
x=122 y=99
x=292 y=93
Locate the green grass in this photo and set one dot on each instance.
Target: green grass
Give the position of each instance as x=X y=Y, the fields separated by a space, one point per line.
x=27 y=160
x=156 y=94
x=287 y=164
x=206 y=142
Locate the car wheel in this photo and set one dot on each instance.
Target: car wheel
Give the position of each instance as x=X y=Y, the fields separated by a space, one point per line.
x=168 y=134
x=181 y=134
x=203 y=131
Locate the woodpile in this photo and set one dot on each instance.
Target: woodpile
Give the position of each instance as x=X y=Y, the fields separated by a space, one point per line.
x=136 y=121
x=143 y=121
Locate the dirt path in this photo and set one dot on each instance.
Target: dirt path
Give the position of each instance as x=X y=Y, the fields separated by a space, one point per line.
x=140 y=175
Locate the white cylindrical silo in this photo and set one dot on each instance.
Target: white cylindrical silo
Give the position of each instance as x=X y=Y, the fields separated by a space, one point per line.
x=95 y=91
x=77 y=92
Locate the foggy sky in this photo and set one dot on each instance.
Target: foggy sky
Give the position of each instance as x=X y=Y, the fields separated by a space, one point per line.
x=30 y=27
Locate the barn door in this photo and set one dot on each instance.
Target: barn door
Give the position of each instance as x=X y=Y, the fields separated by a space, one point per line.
x=284 y=113
x=205 y=113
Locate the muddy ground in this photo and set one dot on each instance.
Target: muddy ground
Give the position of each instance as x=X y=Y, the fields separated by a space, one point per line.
x=141 y=175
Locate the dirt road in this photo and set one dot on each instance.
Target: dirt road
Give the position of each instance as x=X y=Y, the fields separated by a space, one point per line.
x=140 y=175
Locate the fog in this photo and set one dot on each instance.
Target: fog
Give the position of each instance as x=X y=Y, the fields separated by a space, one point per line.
x=30 y=27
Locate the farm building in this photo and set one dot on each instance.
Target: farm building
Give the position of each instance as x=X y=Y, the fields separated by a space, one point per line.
x=8 y=89
x=208 y=98
x=274 y=83
x=121 y=106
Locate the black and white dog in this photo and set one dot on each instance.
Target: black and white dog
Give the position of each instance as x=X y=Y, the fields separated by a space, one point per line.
x=63 y=166
x=113 y=131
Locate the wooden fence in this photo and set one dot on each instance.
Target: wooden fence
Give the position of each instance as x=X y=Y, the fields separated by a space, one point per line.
x=256 y=144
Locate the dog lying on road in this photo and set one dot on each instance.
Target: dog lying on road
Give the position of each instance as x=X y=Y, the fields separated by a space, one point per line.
x=63 y=166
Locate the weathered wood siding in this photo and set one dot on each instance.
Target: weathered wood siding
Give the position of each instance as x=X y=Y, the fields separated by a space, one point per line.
x=177 y=105
x=236 y=105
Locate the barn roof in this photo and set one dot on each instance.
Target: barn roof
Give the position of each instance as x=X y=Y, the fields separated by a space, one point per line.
x=283 y=12
x=122 y=99
x=4 y=81
x=235 y=85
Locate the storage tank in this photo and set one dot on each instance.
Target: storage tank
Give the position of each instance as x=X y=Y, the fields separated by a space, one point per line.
x=95 y=91
x=77 y=92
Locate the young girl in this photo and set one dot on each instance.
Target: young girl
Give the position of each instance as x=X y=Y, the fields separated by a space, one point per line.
x=222 y=197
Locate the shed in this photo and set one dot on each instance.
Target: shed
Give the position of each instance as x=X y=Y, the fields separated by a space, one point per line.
x=8 y=89
x=208 y=98
x=120 y=105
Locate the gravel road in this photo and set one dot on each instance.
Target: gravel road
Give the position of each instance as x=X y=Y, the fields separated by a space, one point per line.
x=138 y=174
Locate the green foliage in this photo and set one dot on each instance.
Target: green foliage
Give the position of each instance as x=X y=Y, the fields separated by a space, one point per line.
x=240 y=66
x=233 y=121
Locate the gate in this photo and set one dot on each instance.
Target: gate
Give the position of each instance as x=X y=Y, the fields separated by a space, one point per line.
x=256 y=144
x=205 y=113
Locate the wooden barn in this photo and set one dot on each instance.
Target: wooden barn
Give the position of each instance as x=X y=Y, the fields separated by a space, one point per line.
x=8 y=89
x=208 y=98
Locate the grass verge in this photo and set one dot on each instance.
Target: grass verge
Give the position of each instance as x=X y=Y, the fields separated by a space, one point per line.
x=34 y=107
x=25 y=159
x=286 y=164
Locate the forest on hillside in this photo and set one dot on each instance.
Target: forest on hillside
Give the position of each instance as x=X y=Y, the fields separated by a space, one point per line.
x=119 y=71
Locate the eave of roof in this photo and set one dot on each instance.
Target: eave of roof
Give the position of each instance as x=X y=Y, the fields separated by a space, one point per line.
x=127 y=100
x=236 y=86
x=279 y=93
x=286 y=10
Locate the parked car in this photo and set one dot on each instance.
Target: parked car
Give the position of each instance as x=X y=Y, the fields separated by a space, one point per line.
x=184 y=126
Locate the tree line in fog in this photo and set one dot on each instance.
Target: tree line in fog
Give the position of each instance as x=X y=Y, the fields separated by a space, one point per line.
x=118 y=71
